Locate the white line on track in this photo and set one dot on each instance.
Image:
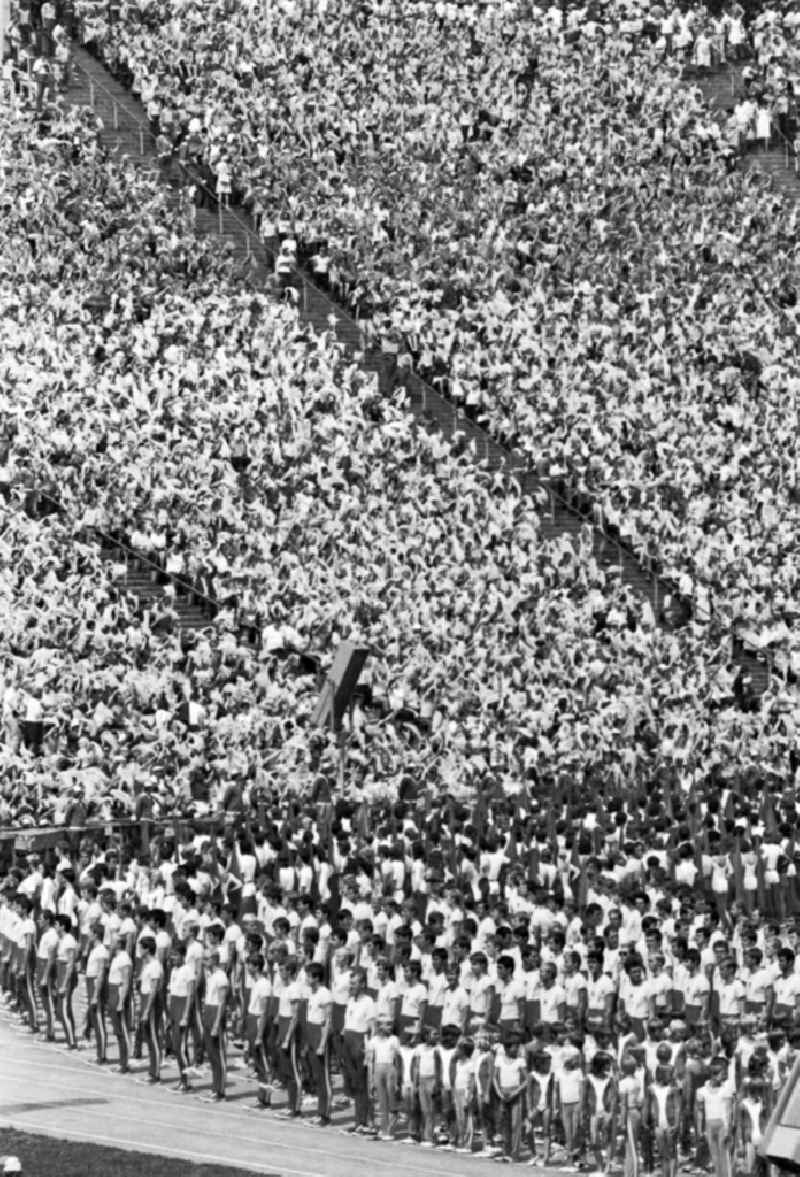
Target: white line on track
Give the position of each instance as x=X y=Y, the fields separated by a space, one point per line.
x=159 y=1150
x=234 y=1115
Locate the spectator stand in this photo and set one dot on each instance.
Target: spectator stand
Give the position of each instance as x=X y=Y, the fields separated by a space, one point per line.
x=724 y=86
x=566 y=510
x=184 y=606
x=742 y=75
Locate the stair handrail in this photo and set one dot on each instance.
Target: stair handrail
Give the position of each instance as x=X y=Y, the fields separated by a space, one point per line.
x=788 y=146
x=775 y=132
x=132 y=554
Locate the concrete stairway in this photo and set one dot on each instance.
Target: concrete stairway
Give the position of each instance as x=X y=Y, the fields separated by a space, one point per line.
x=721 y=89
x=779 y=165
x=142 y=582
x=127 y=133
x=129 y=571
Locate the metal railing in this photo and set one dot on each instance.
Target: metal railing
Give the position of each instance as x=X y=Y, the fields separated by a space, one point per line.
x=109 y=825
x=108 y=540
x=789 y=149
x=130 y=834
x=777 y=136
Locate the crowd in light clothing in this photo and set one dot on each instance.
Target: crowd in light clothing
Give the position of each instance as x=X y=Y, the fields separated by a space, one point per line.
x=535 y=208
x=538 y=898
x=529 y=980
x=169 y=408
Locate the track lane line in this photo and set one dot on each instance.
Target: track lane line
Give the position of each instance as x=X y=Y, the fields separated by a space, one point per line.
x=232 y=1114
x=155 y=1150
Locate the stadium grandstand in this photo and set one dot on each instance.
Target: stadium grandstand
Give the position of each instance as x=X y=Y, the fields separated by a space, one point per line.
x=399 y=497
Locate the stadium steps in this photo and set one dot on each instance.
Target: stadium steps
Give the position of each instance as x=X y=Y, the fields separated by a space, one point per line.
x=126 y=130
x=126 y=133
x=720 y=89
x=143 y=581
x=131 y=573
x=774 y=163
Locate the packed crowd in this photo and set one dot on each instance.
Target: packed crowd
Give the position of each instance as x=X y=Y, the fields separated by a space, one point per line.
x=522 y=980
x=594 y=960
x=533 y=206
x=770 y=76
x=205 y=427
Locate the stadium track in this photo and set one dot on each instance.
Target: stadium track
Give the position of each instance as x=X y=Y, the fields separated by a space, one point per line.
x=46 y=1089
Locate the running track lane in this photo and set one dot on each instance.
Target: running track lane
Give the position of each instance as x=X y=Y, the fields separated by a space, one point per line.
x=43 y=1089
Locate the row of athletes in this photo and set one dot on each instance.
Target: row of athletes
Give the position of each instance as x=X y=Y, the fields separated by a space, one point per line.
x=295 y=1030
x=519 y=983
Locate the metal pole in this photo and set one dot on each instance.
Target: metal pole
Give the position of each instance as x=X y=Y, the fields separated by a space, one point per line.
x=141 y=141
x=91 y=93
x=115 y=110
x=424 y=397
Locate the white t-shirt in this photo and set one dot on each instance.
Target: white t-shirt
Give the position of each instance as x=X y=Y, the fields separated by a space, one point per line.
x=318 y=1006
x=384 y=1049
x=511 y=994
x=549 y=1001
x=47 y=944
x=756 y=985
x=717 y=1101
x=96 y=961
x=216 y=984
x=288 y=996
x=730 y=994
x=695 y=989
x=260 y=993
x=786 y=990
x=119 y=962
x=180 y=979
x=597 y=993
x=359 y=1013
x=151 y=977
